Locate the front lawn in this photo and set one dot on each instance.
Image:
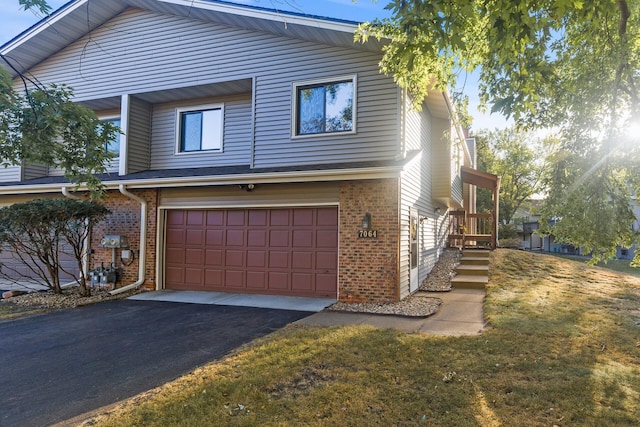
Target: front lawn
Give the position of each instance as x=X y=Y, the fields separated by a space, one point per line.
x=563 y=350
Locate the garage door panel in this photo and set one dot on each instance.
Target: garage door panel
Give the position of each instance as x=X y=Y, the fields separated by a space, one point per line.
x=257 y=238
x=279 y=259
x=303 y=217
x=213 y=278
x=279 y=218
x=235 y=218
x=279 y=238
x=288 y=251
x=175 y=255
x=258 y=218
x=193 y=276
x=214 y=238
x=234 y=258
x=326 y=239
x=195 y=218
x=176 y=237
x=176 y=217
x=302 y=260
x=303 y=238
x=327 y=217
x=194 y=237
x=278 y=281
x=256 y=259
x=326 y=283
x=215 y=218
x=302 y=282
x=235 y=238
x=194 y=256
x=256 y=280
x=235 y=279
x=326 y=261
x=214 y=257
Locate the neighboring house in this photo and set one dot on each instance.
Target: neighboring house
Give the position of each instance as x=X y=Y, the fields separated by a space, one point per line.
x=261 y=151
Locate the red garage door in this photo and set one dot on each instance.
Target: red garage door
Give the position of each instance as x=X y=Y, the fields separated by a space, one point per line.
x=291 y=251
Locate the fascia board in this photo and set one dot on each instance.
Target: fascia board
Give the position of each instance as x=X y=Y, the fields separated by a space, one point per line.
x=262 y=178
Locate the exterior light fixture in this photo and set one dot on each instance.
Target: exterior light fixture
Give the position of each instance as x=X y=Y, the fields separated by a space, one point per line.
x=437 y=210
x=366 y=221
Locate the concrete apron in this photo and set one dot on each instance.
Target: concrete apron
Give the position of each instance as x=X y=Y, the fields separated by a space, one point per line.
x=238 y=300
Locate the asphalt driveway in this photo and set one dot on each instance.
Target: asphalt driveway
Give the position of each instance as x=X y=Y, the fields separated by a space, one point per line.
x=56 y=366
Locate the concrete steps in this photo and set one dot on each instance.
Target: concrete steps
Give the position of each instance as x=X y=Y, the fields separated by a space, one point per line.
x=473 y=270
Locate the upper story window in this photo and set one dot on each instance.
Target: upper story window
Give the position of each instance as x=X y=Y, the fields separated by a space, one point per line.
x=199 y=128
x=323 y=107
x=113 y=146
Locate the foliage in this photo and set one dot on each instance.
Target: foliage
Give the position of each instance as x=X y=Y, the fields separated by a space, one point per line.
x=571 y=65
x=512 y=155
x=40 y=232
x=588 y=204
x=39 y=5
x=43 y=126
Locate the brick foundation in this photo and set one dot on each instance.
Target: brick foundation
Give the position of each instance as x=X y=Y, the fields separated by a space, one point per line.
x=369 y=267
x=124 y=220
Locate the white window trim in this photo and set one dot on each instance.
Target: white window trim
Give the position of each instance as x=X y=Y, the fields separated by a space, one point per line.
x=294 y=105
x=198 y=107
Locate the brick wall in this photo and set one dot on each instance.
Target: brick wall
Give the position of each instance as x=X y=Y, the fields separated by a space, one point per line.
x=124 y=220
x=369 y=267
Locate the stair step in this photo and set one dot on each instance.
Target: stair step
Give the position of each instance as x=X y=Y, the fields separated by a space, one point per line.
x=472 y=270
x=469 y=282
x=476 y=253
x=467 y=260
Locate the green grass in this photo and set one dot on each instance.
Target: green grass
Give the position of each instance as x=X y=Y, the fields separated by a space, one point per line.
x=623 y=266
x=563 y=349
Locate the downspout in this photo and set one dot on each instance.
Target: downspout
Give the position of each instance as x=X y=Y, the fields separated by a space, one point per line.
x=143 y=242
x=86 y=243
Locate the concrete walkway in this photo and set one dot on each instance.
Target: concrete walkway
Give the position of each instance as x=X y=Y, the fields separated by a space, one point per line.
x=461 y=313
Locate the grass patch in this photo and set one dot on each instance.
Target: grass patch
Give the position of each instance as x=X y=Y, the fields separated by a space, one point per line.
x=9 y=311
x=563 y=350
x=620 y=265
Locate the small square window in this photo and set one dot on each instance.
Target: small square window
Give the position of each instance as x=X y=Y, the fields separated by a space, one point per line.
x=200 y=129
x=113 y=146
x=324 y=107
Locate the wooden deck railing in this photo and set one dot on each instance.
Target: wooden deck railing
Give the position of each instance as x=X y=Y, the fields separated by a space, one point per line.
x=471 y=229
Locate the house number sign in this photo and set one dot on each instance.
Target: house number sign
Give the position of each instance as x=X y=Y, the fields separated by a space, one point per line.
x=368 y=234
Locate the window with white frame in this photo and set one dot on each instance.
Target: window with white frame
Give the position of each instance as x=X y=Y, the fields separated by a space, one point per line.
x=322 y=107
x=199 y=128
x=113 y=146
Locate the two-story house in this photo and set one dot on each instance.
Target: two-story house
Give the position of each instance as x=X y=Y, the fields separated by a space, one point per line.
x=261 y=151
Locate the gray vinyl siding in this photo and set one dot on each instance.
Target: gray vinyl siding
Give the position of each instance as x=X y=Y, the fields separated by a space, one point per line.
x=415 y=191
x=139 y=135
x=34 y=171
x=10 y=173
x=236 y=142
x=140 y=51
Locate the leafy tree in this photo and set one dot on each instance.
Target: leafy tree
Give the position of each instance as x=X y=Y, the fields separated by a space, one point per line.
x=572 y=65
x=40 y=232
x=41 y=125
x=510 y=154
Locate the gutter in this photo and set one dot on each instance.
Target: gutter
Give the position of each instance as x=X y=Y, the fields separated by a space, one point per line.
x=86 y=244
x=250 y=178
x=143 y=242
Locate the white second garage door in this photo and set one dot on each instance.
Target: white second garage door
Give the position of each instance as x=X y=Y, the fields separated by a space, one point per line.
x=290 y=251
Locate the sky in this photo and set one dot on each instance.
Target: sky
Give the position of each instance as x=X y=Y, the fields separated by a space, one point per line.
x=14 y=20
